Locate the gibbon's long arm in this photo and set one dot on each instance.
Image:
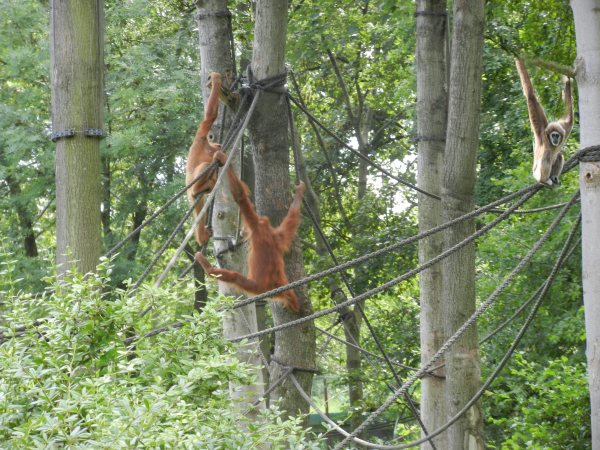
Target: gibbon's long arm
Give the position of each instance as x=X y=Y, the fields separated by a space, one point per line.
x=537 y=117
x=567 y=120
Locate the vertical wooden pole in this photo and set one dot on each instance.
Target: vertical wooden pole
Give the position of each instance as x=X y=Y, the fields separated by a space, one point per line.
x=269 y=136
x=215 y=47
x=77 y=53
x=432 y=115
x=458 y=197
x=587 y=30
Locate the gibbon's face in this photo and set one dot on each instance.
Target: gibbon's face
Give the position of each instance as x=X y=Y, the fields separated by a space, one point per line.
x=555 y=136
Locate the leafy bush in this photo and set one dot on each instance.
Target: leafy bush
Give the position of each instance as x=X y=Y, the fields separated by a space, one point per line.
x=68 y=380
x=550 y=406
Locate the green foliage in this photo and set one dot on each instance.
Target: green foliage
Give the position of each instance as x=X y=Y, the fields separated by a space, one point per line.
x=26 y=157
x=541 y=406
x=154 y=106
x=69 y=381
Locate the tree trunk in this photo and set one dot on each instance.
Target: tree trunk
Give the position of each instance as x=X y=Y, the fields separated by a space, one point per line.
x=351 y=317
x=462 y=140
x=361 y=120
x=214 y=28
x=432 y=114
x=587 y=29
x=106 y=196
x=362 y=134
x=352 y=325
x=24 y=216
x=77 y=51
x=137 y=219
x=294 y=346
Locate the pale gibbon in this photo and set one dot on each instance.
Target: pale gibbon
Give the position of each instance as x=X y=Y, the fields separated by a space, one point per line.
x=549 y=138
x=268 y=244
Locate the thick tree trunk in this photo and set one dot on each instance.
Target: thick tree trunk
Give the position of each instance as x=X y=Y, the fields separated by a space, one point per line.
x=214 y=28
x=462 y=140
x=294 y=346
x=432 y=114
x=587 y=28
x=77 y=51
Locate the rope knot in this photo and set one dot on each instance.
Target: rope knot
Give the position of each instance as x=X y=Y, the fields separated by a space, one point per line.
x=589 y=154
x=293 y=368
x=276 y=83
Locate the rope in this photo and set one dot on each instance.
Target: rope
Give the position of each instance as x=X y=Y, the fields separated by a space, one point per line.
x=380 y=347
x=395 y=281
x=549 y=280
x=478 y=312
x=324 y=416
x=275 y=83
x=361 y=349
x=294 y=141
x=164 y=248
x=524 y=305
x=296 y=368
x=236 y=122
x=587 y=154
x=344 y=266
x=272 y=386
x=519 y=310
x=334 y=179
x=359 y=154
x=532 y=210
x=212 y=166
x=329 y=249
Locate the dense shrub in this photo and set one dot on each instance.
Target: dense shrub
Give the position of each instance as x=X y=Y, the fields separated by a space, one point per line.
x=67 y=379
